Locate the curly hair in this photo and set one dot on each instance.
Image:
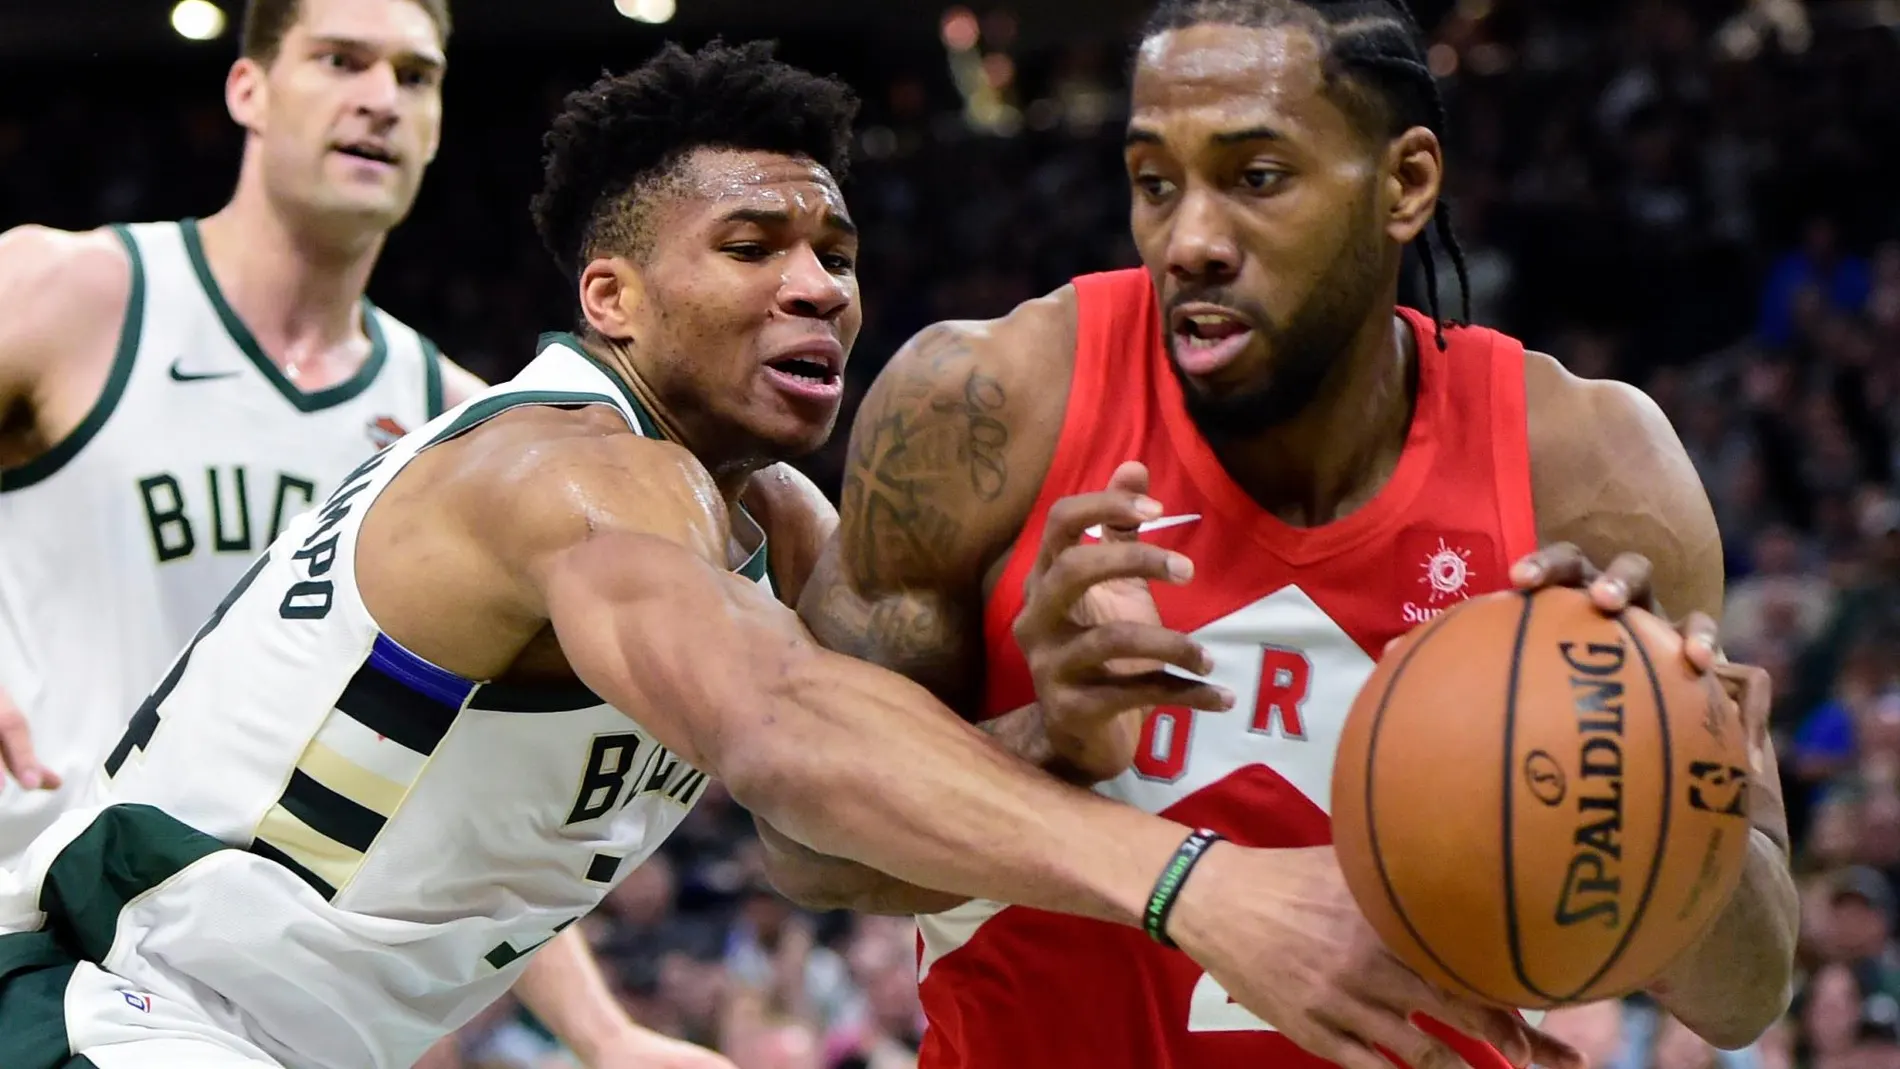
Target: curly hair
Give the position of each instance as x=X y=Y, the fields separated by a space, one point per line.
x=619 y=141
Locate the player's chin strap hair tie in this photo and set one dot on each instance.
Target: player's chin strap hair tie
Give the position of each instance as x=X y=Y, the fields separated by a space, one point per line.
x=1168 y=887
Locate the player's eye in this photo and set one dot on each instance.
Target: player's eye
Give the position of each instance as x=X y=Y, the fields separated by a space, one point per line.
x=1261 y=179
x=746 y=251
x=1154 y=187
x=838 y=263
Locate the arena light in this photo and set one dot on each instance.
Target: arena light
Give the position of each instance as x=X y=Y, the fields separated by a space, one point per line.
x=198 y=20
x=654 y=11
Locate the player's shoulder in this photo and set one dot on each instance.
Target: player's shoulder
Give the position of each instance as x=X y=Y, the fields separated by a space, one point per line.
x=1596 y=445
x=81 y=267
x=1573 y=418
x=1032 y=344
x=55 y=283
x=564 y=472
x=798 y=520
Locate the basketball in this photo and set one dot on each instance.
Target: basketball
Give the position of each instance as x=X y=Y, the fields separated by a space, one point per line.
x=1538 y=804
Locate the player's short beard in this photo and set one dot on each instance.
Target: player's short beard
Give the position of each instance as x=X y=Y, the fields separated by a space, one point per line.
x=1307 y=349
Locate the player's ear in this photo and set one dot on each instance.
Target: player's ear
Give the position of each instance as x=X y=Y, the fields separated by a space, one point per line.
x=613 y=297
x=1414 y=169
x=246 y=94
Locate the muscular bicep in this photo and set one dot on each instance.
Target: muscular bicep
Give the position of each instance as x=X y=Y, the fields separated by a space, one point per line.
x=928 y=633
x=682 y=646
x=1612 y=477
x=946 y=456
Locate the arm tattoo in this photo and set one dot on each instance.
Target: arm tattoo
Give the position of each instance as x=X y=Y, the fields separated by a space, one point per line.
x=985 y=437
x=917 y=456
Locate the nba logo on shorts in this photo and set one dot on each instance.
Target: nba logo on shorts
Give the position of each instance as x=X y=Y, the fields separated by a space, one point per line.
x=141 y=1003
x=1439 y=569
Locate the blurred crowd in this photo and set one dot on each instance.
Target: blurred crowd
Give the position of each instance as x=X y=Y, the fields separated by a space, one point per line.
x=1650 y=190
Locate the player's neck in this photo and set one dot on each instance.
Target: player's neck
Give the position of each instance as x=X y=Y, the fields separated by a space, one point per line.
x=731 y=471
x=1335 y=456
x=298 y=291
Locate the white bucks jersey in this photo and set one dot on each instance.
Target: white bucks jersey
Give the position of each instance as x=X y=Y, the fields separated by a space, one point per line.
x=333 y=847
x=117 y=543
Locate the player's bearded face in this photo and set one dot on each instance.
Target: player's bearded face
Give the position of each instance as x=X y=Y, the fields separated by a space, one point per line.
x=751 y=304
x=350 y=112
x=1256 y=207
x=1295 y=351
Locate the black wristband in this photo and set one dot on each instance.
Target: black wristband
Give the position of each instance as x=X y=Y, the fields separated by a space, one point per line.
x=1168 y=887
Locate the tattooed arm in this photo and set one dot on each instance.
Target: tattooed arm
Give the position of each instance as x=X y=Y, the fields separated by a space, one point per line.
x=946 y=459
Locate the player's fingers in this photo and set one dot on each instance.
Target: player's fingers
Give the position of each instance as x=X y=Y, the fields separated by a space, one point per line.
x=1558 y=564
x=1073 y=516
x=1077 y=569
x=1345 y=1049
x=1394 y=1036
x=1553 y=1053
x=1130 y=478
x=1086 y=657
x=1104 y=700
x=1699 y=639
x=1624 y=583
x=1410 y=994
x=16 y=752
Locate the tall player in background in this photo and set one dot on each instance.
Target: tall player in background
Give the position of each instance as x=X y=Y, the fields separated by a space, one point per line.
x=1339 y=469
x=175 y=393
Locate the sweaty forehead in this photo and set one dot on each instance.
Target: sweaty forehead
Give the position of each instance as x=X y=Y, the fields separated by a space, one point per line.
x=724 y=180
x=1221 y=74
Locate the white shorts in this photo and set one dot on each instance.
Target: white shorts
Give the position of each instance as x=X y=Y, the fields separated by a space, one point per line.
x=59 y=1014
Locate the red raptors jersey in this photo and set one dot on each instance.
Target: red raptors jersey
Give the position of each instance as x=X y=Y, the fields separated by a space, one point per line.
x=1294 y=619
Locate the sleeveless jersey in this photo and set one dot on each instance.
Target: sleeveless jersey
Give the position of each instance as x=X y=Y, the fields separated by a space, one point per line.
x=328 y=845
x=1294 y=619
x=118 y=542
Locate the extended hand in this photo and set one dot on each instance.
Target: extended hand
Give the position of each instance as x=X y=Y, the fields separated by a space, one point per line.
x=17 y=758
x=1091 y=633
x=1281 y=933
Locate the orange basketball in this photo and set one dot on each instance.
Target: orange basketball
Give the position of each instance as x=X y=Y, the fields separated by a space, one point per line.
x=1538 y=804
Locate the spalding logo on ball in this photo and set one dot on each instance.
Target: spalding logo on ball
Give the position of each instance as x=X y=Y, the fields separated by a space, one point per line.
x=1538 y=804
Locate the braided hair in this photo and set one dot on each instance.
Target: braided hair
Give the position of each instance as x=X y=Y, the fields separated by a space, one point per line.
x=1375 y=65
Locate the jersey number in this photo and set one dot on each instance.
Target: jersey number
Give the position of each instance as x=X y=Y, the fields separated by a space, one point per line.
x=1286 y=676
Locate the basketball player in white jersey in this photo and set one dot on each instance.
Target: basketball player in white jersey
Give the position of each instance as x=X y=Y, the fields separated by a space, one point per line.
x=449 y=710
x=176 y=392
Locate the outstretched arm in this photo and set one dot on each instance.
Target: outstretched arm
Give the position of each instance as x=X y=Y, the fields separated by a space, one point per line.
x=838 y=755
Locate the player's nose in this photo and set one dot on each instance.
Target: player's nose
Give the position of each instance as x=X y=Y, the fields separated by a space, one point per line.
x=810 y=289
x=1201 y=245
x=375 y=91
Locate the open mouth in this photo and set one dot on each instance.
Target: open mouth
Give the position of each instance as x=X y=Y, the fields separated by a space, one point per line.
x=805 y=369
x=365 y=150
x=1207 y=338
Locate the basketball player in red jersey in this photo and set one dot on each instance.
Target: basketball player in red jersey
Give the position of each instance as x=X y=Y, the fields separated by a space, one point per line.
x=1338 y=471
